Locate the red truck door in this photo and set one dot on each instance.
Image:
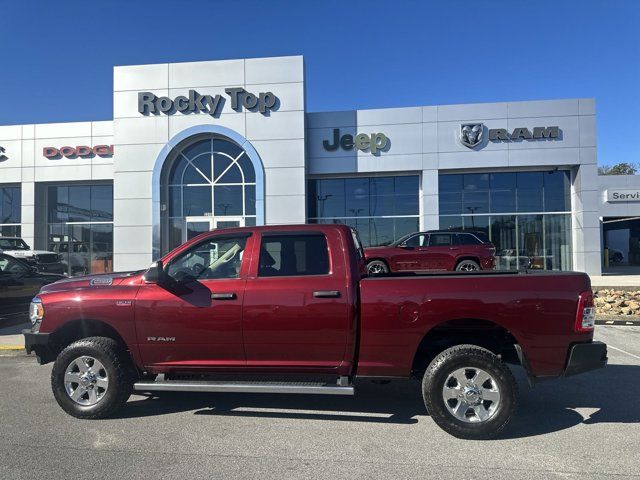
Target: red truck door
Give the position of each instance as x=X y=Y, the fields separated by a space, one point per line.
x=296 y=313
x=196 y=319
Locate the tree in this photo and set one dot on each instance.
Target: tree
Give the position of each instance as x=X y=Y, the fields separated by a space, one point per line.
x=619 y=169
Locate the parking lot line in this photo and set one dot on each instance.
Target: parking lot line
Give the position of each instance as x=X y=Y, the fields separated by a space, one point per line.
x=623 y=351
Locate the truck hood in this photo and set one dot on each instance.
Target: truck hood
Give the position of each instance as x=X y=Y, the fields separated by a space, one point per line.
x=104 y=280
x=24 y=253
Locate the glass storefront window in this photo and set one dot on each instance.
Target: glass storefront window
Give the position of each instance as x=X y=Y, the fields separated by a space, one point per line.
x=80 y=227
x=10 y=210
x=541 y=241
x=525 y=214
x=382 y=209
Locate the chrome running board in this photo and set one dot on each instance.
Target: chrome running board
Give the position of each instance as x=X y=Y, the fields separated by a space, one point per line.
x=342 y=387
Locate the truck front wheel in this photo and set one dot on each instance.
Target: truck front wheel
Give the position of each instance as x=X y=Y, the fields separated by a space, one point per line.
x=92 y=378
x=469 y=392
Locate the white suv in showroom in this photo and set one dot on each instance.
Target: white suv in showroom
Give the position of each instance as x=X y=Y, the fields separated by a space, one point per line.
x=43 y=261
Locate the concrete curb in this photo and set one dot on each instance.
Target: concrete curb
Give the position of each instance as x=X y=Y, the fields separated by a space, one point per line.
x=625 y=323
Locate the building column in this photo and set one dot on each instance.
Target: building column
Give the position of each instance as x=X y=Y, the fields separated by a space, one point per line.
x=585 y=221
x=429 y=207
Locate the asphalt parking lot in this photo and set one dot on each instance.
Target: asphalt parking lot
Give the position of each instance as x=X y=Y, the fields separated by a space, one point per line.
x=582 y=427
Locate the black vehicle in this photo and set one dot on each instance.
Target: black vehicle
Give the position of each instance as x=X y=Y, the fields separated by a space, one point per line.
x=19 y=283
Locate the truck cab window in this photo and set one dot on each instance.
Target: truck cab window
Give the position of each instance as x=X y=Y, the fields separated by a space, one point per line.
x=292 y=255
x=214 y=259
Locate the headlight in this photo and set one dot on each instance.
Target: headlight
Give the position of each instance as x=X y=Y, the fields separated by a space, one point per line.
x=36 y=311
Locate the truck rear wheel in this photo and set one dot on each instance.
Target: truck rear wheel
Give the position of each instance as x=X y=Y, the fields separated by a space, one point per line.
x=92 y=378
x=469 y=392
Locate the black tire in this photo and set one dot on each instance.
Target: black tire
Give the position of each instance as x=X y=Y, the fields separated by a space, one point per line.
x=469 y=356
x=119 y=369
x=379 y=267
x=468 y=266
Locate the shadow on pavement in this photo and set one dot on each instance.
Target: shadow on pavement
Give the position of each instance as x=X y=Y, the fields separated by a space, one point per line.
x=398 y=403
x=607 y=395
x=13 y=328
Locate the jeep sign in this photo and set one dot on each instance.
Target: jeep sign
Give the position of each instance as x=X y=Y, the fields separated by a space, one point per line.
x=212 y=104
x=373 y=143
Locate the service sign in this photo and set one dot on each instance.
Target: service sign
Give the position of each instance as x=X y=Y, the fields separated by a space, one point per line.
x=623 y=195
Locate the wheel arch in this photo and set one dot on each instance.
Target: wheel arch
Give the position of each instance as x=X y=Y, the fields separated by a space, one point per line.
x=80 y=328
x=485 y=333
x=380 y=259
x=462 y=258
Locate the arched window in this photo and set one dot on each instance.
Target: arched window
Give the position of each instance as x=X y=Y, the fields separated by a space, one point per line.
x=211 y=183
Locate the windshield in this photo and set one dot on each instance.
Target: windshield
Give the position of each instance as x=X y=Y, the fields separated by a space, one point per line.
x=13 y=244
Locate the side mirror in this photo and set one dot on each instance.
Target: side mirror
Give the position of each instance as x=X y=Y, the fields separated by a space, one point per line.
x=156 y=274
x=405 y=246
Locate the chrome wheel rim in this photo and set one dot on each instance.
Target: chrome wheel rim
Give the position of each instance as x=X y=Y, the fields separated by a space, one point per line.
x=471 y=395
x=467 y=267
x=376 y=269
x=86 y=381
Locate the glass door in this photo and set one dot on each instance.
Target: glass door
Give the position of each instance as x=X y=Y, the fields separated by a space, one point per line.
x=228 y=222
x=198 y=225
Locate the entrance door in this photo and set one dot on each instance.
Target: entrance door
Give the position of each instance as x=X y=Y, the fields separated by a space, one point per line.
x=198 y=225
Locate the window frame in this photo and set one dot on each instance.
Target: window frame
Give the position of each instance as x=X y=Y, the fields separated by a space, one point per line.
x=210 y=238
x=291 y=233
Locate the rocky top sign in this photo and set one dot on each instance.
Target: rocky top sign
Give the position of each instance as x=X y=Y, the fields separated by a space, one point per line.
x=264 y=102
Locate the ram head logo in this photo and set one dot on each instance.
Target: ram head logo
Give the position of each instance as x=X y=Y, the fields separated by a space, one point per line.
x=3 y=157
x=471 y=134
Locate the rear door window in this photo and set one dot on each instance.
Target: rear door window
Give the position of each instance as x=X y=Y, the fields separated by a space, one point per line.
x=293 y=255
x=439 y=240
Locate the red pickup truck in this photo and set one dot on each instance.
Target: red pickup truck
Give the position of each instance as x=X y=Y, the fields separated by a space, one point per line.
x=289 y=309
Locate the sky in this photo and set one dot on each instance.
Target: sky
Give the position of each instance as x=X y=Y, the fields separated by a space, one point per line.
x=57 y=57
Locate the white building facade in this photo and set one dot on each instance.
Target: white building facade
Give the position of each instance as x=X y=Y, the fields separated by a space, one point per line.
x=204 y=145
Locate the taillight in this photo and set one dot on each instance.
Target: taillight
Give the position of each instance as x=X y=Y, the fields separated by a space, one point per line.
x=586 y=314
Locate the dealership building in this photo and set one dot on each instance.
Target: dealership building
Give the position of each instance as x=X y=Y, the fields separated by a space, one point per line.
x=205 y=145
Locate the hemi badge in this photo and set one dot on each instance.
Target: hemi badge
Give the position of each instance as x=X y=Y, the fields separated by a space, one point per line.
x=123 y=303
x=101 y=281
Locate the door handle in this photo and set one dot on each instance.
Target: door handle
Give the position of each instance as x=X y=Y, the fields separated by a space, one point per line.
x=326 y=294
x=223 y=296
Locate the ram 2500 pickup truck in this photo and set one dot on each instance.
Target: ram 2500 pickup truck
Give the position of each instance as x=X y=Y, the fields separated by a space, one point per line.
x=289 y=309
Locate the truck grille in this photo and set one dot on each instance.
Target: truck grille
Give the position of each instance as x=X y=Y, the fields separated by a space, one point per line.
x=47 y=258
